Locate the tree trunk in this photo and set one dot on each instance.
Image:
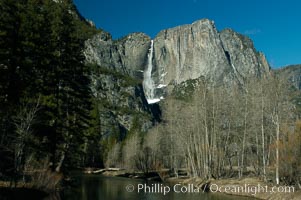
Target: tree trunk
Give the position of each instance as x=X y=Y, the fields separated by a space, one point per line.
x=262 y=136
x=277 y=149
x=60 y=164
x=244 y=140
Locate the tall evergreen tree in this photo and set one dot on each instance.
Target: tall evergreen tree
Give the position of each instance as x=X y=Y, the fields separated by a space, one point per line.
x=41 y=57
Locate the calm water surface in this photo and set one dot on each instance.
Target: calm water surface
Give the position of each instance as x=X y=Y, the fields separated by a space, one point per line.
x=97 y=187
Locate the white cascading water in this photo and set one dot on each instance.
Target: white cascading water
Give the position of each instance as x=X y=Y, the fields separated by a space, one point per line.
x=148 y=83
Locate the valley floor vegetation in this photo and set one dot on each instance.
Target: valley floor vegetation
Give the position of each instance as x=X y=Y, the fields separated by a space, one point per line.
x=222 y=132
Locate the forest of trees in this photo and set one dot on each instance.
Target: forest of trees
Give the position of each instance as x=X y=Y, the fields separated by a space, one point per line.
x=45 y=99
x=222 y=131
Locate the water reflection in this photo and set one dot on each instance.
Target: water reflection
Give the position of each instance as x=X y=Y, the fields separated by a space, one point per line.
x=96 y=187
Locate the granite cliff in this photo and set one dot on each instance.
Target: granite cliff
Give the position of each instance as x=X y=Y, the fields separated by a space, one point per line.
x=191 y=51
x=179 y=54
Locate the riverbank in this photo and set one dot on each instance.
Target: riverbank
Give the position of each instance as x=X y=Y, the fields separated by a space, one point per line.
x=247 y=187
x=20 y=191
x=34 y=185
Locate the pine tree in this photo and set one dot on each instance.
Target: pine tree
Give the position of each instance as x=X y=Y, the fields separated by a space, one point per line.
x=10 y=80
x=41 y=57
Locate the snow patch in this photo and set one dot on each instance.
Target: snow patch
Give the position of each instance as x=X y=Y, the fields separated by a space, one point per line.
x=152 y=101
x=164 y=74
x=233 y=67
x=161 y=86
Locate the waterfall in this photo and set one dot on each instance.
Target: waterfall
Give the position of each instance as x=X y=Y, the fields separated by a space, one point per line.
x=148 y=83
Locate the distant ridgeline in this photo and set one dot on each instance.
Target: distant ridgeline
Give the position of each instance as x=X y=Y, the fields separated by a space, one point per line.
x=193 y=98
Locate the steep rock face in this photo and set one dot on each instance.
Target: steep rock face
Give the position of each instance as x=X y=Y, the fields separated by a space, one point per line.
x=127 y=55
x=191 y=51
x=243 y=57
x=188 y=52
x=117 y=82
x=121 y=103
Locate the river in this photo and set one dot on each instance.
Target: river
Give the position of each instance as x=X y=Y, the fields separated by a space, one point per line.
x=97 y=187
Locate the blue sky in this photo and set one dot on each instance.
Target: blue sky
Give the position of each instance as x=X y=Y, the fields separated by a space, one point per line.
x=274 y=26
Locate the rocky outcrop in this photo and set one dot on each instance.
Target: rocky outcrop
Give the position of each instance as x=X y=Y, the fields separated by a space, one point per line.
x=122 y=106
x=117 y=83
x=127 y=55
x=243 y=57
